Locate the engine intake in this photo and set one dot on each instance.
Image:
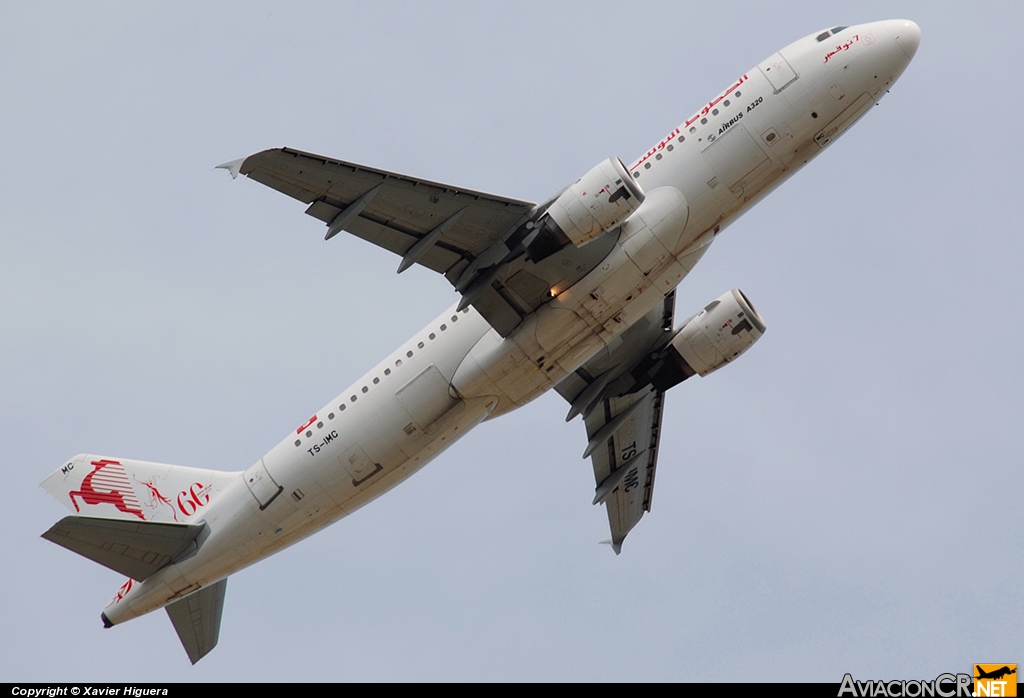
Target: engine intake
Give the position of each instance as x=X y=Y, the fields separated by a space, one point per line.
x=597 y=202
x=719 y=333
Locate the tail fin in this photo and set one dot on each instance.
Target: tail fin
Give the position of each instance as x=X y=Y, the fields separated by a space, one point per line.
x=135 y=490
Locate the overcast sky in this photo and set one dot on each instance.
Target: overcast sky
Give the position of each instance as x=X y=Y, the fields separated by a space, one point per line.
x=844 y=498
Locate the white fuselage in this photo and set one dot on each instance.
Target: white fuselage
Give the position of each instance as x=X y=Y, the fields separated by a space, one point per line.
x=458 y=371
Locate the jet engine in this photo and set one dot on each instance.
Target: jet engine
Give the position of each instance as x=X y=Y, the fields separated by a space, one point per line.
x=716 y=335
x=597 y=202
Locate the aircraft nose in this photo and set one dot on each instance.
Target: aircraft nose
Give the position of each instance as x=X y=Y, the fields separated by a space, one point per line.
x=908 y=35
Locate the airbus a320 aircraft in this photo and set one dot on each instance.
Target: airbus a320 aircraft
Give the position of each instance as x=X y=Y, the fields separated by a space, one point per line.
x=575 y=294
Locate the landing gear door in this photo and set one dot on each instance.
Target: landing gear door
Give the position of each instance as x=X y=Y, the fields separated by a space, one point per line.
x=778 y=72
x=261 y=485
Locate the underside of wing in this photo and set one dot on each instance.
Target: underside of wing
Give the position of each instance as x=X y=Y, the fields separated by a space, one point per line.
x=400 y=212
x=622 y=412
x=625 y=459
x=478 y=241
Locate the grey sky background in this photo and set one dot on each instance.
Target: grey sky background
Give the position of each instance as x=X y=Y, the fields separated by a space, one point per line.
x=844 y=498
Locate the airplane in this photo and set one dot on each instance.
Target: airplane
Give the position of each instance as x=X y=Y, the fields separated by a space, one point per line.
x=575 y=294
x=995 y=673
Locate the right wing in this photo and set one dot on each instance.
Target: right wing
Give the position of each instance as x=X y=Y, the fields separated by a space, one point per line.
x=401 y=213
x=476 y=240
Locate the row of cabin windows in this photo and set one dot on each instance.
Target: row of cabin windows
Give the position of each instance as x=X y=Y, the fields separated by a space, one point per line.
x=693 y=129
x=376 y=379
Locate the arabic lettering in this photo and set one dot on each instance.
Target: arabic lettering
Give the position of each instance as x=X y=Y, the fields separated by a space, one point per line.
x=666 y=141
x=711 y=105
x=842 y=47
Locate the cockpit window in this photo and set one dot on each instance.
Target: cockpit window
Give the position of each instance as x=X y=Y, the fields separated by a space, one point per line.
x=822 y=36
x=838 y=29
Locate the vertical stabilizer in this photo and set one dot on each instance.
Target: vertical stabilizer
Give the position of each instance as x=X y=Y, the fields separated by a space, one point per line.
x=119 y=488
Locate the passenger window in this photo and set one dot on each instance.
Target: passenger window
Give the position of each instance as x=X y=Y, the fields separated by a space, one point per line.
x=408 y=354
x=376 y=381
x=319 y=425
x=387 y=371
x=365 y=389
x=444 y=327
x=298 y=443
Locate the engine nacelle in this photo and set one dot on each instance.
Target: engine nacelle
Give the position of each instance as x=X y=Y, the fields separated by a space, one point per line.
x=719 y=333
x=598 y=201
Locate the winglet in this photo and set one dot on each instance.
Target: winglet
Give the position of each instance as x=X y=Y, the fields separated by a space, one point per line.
x=617 y=547
x=232 y=167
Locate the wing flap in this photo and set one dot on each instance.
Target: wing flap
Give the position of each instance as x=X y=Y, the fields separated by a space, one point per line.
x=136 y=549
x=196 y=619
x=440 y=257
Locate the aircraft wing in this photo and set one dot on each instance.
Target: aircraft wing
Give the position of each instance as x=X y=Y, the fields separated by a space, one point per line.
x=622 y=413
x=393 y=211
x=625 y=460
x=476 y=240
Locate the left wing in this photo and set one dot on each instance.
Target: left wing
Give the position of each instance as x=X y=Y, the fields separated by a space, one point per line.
x=625 y=457
x=622 y=413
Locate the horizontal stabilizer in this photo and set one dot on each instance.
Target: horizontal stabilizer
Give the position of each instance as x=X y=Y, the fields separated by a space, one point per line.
x=136 y=549
x=196 y=619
